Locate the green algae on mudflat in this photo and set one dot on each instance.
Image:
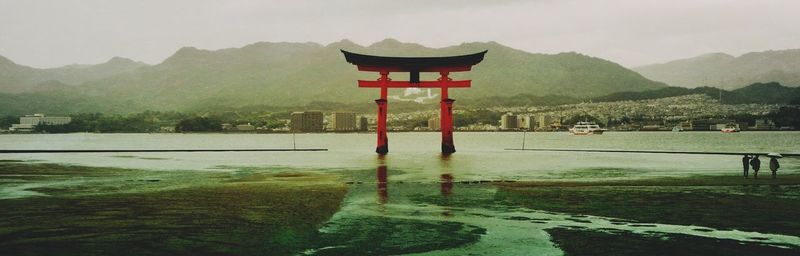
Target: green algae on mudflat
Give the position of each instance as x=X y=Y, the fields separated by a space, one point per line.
x=763 y=205
x=617 y=242
x=184 y=213
x=381 y=235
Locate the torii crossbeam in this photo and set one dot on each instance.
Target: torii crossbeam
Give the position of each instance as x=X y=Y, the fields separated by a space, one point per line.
x=415 y=65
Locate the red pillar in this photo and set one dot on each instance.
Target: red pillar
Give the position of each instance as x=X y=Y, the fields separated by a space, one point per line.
x=446 y=118
x=383 y=139
x=446 y=124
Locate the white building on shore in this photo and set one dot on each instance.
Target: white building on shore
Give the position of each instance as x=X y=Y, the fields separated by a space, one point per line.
x=29 y=122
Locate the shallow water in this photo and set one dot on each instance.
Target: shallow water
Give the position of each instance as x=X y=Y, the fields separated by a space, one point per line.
x=480 y=155
x=416 y=201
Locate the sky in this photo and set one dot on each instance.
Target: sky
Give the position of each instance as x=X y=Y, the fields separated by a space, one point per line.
x=630 y=32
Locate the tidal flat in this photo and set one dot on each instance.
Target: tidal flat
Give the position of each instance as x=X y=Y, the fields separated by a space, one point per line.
x=700 y=203
x=723 y=202
x=77 y=210
x=55 y=209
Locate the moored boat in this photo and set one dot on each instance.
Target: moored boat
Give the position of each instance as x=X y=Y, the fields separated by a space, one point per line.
x=730 y=129
x=586 y=128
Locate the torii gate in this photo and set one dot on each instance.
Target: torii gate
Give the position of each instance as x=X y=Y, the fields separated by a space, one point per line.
x=415 y=65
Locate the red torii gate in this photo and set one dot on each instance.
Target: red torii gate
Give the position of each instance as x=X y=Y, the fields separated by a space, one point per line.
x=415 y=65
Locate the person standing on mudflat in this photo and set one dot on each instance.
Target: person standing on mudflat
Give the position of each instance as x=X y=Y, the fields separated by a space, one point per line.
x=746 y=165
x=756 y=166
x=773 y=166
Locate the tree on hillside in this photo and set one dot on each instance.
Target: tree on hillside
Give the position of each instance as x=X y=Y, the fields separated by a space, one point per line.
x=199 y=124
x=582 y=118
x=7 y=121
x=787 y=116
x=478 y=116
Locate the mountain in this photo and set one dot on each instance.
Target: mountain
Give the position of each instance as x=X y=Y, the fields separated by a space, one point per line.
x=296 y=74
x=760 y=93
x=78 y=74
x=15 y=78
x=729 y=72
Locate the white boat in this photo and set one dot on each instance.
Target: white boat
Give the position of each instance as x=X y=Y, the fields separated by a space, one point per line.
x=730 y=129
x=586 y=128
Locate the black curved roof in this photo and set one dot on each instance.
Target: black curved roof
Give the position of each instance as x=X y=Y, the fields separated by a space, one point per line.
x=413 y=64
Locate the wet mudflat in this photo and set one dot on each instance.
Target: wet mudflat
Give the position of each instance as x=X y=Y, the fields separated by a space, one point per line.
x=134 y=212
x=76 y=210
x=614 y=242
x=703 y=204
x=764 y=205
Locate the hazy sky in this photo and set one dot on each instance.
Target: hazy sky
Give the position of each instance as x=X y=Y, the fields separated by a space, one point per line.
x=630 y=32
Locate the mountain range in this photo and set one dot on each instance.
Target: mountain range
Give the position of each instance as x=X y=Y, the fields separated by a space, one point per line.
x=758 y=93
x=16 y=78
x=293 y=74
x=725 y=71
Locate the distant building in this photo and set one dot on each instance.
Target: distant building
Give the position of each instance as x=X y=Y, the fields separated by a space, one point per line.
x=307 y=121
x=544 y=122
x=508 y=122
x=21 y=127
x=478 y=127
x=710 y=124
x=686 y=126
x=547 y=123
x=434 y=124
x=166 y=129
x=342 y=121
x=245 y=127
x=526 y=122
x=363 y=123
x=764 y=124
x=652 y=127
x=29 y=122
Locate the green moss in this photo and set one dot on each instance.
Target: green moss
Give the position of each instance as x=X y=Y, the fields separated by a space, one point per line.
x=392 y=236
x=617 y=242
x=718 y=202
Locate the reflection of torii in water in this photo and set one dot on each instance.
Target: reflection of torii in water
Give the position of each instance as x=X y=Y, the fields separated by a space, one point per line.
x=382 y=177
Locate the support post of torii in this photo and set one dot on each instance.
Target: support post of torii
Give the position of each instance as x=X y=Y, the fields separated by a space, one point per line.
x=446 y=118
x=415 y=65
x=383 y=137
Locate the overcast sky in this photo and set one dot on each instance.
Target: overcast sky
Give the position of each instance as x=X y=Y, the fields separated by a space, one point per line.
x=630 y=32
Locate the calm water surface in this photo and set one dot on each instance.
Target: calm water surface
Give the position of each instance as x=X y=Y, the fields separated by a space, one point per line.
x=479 y=156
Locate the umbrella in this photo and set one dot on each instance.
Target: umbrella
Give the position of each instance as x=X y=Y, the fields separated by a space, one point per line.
x=774 y=155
